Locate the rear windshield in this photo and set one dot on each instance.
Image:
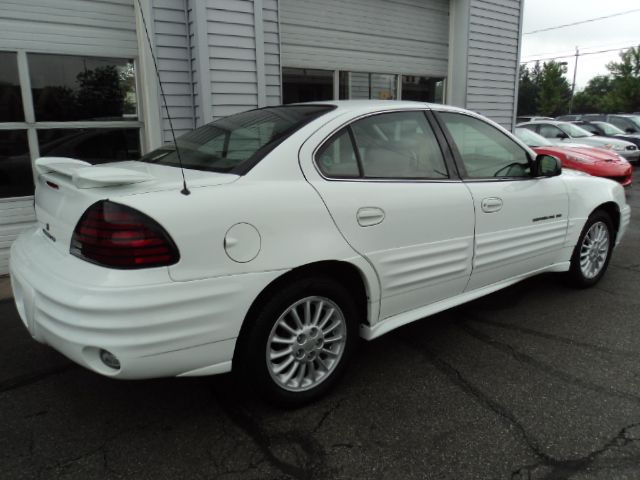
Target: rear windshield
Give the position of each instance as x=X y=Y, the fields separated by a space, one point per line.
x=235 y=144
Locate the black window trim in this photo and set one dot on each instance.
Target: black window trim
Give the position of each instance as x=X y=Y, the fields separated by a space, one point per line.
x=458 y=157
x=452 y=172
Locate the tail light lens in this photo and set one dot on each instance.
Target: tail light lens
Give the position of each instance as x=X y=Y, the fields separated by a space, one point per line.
x=117 y=236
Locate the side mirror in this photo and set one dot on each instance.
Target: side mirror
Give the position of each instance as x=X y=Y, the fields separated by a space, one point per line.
x=546 y=166
x=562 y=135
x=630 y=130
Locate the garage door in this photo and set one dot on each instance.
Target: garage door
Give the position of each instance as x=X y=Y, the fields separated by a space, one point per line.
x=409 y=37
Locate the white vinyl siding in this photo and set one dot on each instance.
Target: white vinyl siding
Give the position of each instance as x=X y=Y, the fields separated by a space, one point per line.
x=16 y=215
x=492 y=65
x=173 y=51
x=381 y=36
x=271 y=51
x=232 y=29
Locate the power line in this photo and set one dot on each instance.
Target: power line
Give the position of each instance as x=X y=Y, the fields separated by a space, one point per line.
x=633 y=42
x=573 y=55
x=582 y=21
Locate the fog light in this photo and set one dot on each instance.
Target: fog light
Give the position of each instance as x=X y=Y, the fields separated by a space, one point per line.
x=109 y=359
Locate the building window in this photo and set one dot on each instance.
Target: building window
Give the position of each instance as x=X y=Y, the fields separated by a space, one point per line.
x=373 y=86
x=74 y=88
x=16 y=179
x=423 y=89
x=74 y=106
x=306 y=85
x=10 y=97
x=94 y=145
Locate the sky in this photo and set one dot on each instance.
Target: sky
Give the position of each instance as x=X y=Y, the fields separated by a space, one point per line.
x=612 y=33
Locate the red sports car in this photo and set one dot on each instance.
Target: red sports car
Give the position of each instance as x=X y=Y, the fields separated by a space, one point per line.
x=594 y=161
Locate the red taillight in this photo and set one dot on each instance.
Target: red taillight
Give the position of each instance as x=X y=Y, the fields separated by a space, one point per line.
x=113 y=235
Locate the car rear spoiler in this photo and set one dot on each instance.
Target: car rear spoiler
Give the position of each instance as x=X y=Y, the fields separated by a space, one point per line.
x=85 y=175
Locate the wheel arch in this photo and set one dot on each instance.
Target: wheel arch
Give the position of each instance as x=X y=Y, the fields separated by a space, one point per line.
x=613 y=210
x=346 y=273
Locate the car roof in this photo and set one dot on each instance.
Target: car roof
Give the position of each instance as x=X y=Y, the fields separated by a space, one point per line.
x=382 y=105
x=552 y=122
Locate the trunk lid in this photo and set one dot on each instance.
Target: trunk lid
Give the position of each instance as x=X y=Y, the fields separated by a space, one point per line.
x=66 y=187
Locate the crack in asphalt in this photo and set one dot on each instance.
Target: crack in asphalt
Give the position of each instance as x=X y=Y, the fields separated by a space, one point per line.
x=31 y=378
x=565 y=469
x=101 y=449
x=312 y=466
x=630 y=268
x=456 y=378
x=553 y=337
x=559 y=469
x=545 y=367
x=326 y=414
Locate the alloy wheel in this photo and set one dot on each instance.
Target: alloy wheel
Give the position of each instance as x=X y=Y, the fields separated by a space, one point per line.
x=306 y=343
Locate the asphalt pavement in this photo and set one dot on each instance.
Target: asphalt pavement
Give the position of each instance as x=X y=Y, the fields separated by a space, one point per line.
x=538 y=381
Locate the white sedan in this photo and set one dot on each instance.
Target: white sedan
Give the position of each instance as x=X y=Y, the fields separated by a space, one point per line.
x=302 y=227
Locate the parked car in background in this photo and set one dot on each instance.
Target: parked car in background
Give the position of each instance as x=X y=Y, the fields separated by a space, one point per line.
x=594 y=161
x=604 y=129
x=628 y=123
x=568 y=118
x=531 y=119
x=565 y=132
x=305 y=226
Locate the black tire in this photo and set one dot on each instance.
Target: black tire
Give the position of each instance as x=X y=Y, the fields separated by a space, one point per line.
x=251 y=366
x=576 y=276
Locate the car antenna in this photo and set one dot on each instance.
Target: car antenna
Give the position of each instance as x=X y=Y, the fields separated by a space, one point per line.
x=185 y=190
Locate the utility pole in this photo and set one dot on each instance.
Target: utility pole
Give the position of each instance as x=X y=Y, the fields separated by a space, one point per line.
x=573 y=85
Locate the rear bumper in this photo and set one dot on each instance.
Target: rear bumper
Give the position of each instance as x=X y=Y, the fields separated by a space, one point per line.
x=155 y=329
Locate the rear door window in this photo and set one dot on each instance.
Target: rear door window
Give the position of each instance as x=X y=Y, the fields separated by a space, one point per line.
x=398 y=145
x=395 y=145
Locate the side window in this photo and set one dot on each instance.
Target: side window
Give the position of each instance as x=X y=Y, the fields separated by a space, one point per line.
x=590 y=128
x=337 y=158
x=398 y=145
x=549 y=131
x=621 y=123
x=485 y=151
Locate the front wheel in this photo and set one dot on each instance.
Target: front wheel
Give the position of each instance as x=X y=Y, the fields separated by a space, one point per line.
x=593 y=251
x=298 y=345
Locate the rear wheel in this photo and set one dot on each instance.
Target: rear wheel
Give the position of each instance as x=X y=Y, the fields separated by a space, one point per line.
x=297 y=346
x=593 y=251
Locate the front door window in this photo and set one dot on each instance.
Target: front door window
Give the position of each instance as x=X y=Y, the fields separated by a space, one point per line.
x=484 y=150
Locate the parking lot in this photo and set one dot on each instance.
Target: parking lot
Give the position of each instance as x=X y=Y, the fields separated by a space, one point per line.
x=538 y=381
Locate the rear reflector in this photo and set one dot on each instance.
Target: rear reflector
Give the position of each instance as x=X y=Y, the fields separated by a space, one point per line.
x=117 y=236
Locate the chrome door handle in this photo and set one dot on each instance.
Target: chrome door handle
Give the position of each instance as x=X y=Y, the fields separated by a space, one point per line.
x=369 y=216
x=491 y=204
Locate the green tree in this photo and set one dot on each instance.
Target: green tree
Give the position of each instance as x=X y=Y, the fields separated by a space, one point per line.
x=528 y=90
x=101 y=94
x=554 y=91
x=625 y=94
x=596 y=96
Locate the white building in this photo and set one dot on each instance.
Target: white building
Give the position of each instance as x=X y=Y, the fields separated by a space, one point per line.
x=76 y=77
